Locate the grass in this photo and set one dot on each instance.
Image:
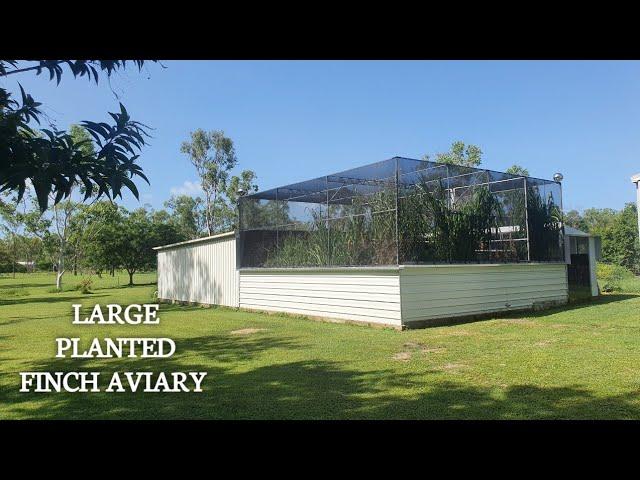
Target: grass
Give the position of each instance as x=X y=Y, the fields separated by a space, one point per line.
x=576 y=362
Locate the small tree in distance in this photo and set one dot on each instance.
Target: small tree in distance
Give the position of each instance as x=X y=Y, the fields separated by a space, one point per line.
x=460 y=154
x=517 y=170
x=213 y=155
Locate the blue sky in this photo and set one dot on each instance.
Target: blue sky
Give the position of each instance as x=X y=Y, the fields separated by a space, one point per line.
x=294 y=120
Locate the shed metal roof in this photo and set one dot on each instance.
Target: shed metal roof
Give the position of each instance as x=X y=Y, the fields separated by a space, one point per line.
x=197 y=240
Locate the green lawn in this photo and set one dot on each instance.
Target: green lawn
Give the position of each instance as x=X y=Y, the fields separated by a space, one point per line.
x=577 y=362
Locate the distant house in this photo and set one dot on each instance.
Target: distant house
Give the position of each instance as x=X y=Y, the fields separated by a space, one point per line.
x=30 y=265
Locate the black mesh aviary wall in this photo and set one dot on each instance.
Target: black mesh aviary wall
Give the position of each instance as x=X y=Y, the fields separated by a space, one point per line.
x=403 y=211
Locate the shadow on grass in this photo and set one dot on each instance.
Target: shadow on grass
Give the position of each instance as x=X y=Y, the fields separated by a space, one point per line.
x=9 y=286
x=297 y=389
x=126 y=285
x=520 y=314
x=53 y=298
x=601 y=300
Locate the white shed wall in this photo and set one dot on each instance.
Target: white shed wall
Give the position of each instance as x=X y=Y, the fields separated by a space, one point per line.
x=202 y=272
x=430 y=292
x=365 y=295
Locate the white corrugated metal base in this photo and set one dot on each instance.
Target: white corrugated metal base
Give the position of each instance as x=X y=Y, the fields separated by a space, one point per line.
x=199 y=271
x=364 y=295
x=450 y=291
x=406 y=295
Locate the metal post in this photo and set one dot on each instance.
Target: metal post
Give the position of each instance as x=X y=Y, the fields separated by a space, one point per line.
x=329 y=256
x=397 y=237
x=239 y=237
x=526 y=218
x=277 y=222
x=562 y=222
x=450 y=199
x=636 y=179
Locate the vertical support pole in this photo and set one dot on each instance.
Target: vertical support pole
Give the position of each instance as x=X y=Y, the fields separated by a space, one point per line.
x=490 y=236
x=397 y=237
x=277 y=222
x=526 y=218
x=593 y=279
x=638 y=203
x=239 y=236
x=562 y=240
x=450 y=199
x=329 y=255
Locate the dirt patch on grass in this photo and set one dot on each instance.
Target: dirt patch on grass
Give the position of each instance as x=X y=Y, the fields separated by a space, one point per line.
x=247 y=331
x=433 y=350
x=455 y=333
x=453 y=367
x=421 y=347
x=517 y=321
x=543 y=343
x=402 y=356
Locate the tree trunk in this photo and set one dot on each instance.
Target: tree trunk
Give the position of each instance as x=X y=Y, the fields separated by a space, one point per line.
x=60 y=273
x=130 y=278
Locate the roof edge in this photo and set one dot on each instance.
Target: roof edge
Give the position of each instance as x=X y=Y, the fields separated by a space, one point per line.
x=197 y=240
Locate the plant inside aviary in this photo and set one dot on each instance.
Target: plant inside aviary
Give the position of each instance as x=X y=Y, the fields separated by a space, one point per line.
x=436 y=228
x=545 y=227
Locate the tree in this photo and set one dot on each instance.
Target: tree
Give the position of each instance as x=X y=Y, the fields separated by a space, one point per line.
x=78 y=218
x=599 y=220
x=135 y=238
x=573 y=219
x=50 y=159
x=246 y=183
x=213 y=155
x=460 y=154
x=58 y=228
x=10 y=226
x=104 y=222
x=517 y=170
x=186 y=215
x=61 y=227
x=620 y=240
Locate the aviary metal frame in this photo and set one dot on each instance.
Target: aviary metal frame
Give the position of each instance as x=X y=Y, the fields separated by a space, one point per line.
x=403 y=211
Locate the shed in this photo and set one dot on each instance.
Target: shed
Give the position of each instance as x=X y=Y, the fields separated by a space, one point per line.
x=401 y=242
x=582 y=250
x=199 y=271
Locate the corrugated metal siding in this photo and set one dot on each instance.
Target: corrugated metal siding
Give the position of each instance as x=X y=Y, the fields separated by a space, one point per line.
x=448 y=291
x=202 y=272
x=366 y=296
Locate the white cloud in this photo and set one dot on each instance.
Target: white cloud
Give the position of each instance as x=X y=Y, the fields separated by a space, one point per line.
x=187 y=188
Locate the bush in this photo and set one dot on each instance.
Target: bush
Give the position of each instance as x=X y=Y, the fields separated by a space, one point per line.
x=8 y=267
x=610 y=276
x=84 y=286
x=44 y=265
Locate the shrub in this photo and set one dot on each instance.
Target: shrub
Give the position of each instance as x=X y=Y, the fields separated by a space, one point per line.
x=84 y=286
x=44 y=265
x=610 y=276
